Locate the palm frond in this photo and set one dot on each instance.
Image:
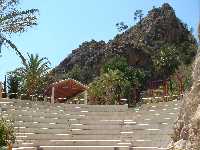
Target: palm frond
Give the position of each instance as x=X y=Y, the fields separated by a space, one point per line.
x=13 y=46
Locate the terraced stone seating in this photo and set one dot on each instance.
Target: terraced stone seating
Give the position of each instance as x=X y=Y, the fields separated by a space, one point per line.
x=90 y=127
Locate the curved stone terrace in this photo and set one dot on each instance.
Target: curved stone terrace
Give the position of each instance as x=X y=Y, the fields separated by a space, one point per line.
x=41 y=125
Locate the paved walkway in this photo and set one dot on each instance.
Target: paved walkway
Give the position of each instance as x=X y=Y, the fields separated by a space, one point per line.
x=84 y=127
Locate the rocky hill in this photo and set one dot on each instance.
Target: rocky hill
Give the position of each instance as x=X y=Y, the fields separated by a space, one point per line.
x=138 y=44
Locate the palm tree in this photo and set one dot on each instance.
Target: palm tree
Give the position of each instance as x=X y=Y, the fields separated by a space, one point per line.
x=33 y=73
x=14 y=20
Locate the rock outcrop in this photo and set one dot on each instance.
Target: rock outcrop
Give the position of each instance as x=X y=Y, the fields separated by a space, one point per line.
x=187 y=126
x=138 y=43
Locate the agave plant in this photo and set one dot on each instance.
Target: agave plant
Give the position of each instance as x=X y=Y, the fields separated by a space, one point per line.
x=14 y=20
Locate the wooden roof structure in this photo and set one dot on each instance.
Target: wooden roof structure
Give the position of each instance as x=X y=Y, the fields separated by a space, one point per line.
x=65 y=89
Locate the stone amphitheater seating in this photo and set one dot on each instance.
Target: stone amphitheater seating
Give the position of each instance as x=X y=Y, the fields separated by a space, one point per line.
x=90 y=127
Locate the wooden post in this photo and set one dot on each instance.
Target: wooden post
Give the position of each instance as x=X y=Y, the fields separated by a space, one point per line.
x=10 y=147
x=165 y=90
x=45 y=98
x=36 y=98
x=151 y=88
x=85 y=97
x=52 y=95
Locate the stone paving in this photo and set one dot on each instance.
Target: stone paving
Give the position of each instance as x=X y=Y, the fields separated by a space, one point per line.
x=90 y=127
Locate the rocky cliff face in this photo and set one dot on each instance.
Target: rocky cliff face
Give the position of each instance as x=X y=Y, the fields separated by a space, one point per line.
x=88 y=55
x=187 y=127
x=137 y=44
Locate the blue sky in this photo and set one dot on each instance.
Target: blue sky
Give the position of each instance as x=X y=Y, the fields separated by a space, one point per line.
x=65 y=24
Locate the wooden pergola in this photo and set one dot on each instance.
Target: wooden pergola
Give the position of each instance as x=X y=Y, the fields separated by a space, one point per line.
x=64 y=89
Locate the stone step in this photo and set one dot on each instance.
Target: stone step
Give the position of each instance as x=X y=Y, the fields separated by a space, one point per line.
x=122 y=137
x=68 y=121
x=35 y=143
x=61 y=112
x=70 y=131
x=70 y=107
x=62 y=136
x=66 y=117
x=77 y=131
x=115 y=147
x=67 y=114
x=127 y=126
x=95 y=121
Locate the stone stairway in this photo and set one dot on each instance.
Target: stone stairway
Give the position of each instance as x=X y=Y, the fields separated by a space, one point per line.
x=90 y=127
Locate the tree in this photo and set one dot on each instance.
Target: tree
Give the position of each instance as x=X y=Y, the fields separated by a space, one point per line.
x=14 y=20
x=136 y=76
x=13 y=85
x=5 y=87
x=75 y=73
x=33 y=74
x=121 y=26
x=187 y=51
x=166 y=60
x=138 y=15
x=109 y=88
x=83 y=75
x=181 y=80
x=116 y=63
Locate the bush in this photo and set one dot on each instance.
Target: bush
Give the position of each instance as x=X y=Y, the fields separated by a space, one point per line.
x=136 y=76
x=75 y=73
x=3 y=148
x=6 y=133
x=109 y=88
x=81 y=74
x=184 y=72
x=116 y=63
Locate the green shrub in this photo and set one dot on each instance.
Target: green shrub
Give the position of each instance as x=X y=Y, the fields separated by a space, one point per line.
x=7 y=135
x=109 y=88
x=136 y=76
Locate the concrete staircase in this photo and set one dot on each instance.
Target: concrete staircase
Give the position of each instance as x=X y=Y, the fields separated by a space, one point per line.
x=90 y=127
